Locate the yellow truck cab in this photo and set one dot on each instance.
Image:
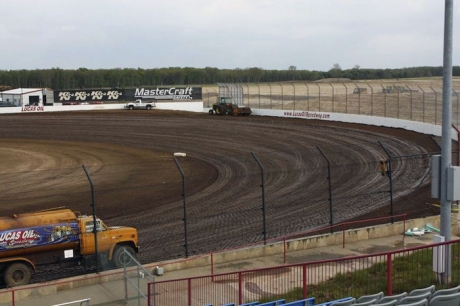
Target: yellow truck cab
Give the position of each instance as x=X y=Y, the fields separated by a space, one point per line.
x=60 y=236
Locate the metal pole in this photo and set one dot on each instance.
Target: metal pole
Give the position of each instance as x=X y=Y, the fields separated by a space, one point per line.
x=259 y=92
x=308 y=97
x=93 y=205
x=185 y=206
x=330 y=189
x=372 y=99
x=248 y=94
x=390 y=176
x=270 y=95
x=294 y=94
x=319 y=97
x=263 y=196
x=436 y=104
x=423 y=103
x=359 y=99
x=346 y=98
x=332 y=97
x=282 y=96
x=446 y=143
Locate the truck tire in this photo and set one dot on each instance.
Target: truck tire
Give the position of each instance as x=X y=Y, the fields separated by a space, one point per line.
x=131 y=107
x=149 y=107
x=211 y=112
x=17 y=274
x=120 y=258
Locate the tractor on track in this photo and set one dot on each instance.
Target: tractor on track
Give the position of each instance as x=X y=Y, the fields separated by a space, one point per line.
x=225 y=106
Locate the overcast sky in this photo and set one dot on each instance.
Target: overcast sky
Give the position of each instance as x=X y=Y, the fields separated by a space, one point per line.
x=269 y=34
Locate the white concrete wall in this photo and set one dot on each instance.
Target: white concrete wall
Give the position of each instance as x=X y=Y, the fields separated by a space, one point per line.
x=429 y=129
x=420 y=127
x=58 y=107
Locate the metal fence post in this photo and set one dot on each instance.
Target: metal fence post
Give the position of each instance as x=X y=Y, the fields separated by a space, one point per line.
x=435 y=105
x=330 y=189
x=93 y=205
x=184 y=204
x=423 y=104
x=270 y=95
x=308 y=97
x=282 y=96
x=372 y=99
x=294 y=94
x=332 y=97
x=259 y=92
x=319 y=97
x=390 y=176
x=263 y=196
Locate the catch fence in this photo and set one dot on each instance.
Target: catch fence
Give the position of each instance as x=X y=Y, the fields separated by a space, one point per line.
x=414 y=101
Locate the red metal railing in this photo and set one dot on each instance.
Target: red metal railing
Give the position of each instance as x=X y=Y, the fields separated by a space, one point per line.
x=325 y=280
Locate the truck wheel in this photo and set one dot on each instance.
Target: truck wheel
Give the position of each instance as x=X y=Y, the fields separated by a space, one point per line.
x=211 y=112
x=131 y=107
x=121 y=259
x=17 y=274
x=149 y=107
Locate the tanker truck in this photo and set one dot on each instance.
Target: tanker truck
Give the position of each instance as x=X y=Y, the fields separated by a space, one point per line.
x=59 y=236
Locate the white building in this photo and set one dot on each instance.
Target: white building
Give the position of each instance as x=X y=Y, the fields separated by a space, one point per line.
x=24 y=96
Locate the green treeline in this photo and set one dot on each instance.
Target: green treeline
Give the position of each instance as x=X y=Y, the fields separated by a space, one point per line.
x=56 y=78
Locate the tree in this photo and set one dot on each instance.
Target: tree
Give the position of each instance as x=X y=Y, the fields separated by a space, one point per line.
x=336 y=67
x=292 y=68
x=336 y=71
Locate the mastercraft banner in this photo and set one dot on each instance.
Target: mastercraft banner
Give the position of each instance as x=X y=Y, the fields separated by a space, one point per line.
x=165 y=93
x=173 y=93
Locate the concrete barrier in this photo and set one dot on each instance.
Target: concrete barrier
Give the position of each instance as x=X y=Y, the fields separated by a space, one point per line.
x=196 y=106
x=310 y=242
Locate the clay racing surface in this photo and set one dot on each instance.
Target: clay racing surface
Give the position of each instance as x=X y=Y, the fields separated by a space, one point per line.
x=129 y=156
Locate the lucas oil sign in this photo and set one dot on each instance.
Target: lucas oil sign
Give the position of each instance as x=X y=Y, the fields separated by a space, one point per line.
x=38 y=236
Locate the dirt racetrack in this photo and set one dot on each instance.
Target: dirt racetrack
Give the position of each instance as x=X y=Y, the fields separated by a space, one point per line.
x=129 y=156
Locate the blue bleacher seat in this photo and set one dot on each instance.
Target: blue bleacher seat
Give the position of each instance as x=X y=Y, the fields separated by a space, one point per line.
x=250 y=304
x=344 y=303
x=273 y=303
x=305 y=302
x=366 y=303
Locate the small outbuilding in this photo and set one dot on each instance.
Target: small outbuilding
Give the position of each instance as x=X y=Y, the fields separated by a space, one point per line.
x=24 y=97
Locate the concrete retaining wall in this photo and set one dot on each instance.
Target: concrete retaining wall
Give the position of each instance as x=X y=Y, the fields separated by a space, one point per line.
x=317 y=241
x=180 y=106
